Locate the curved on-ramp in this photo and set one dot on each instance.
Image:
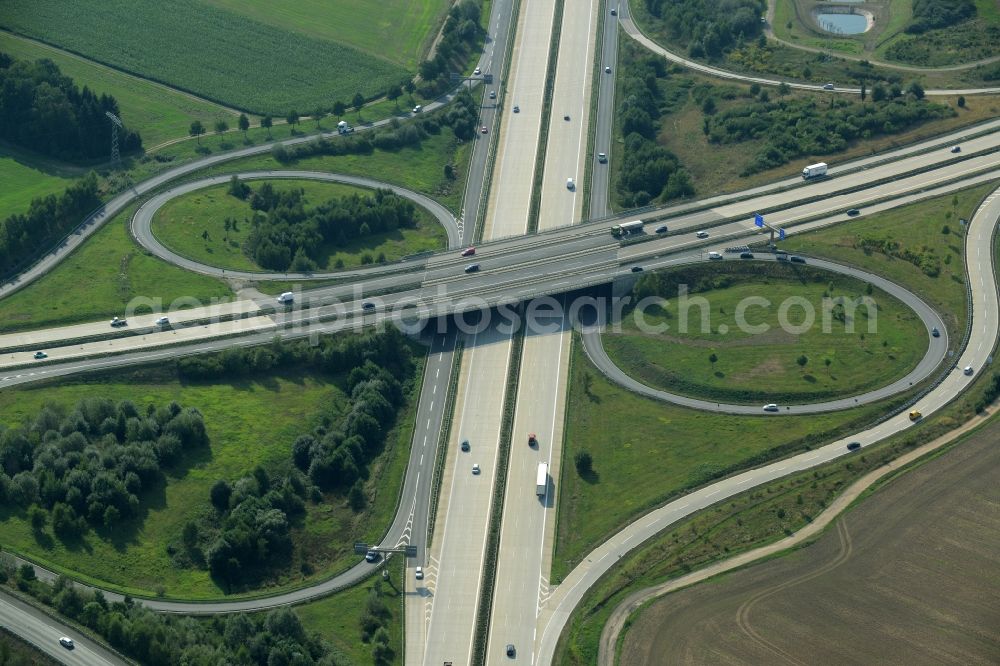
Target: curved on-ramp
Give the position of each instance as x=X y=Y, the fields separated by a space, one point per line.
x=937 y=349
x=633 y=31
x=142 y=223
x=983 y=333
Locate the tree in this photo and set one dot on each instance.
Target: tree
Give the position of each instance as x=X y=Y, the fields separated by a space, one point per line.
x=356 y=498
x=864 y=91
x=220 y=493
x=449 y=172
x=227 y=225
x=802 y=360
x=410 y=87
x=196 y=130
x=317 y=115
x=916 y=90
x=708 y=106
x=961 y=101
x=393 y=94
x=713 y=358
x=339 y=108
x=266 y=123
x=878 y=93
x=37 y=516
x=204 y=235
x=358 y=101
x=292 y=118
x=584 y=463
x=244 y=124
x=221 y=126
x=784 y=89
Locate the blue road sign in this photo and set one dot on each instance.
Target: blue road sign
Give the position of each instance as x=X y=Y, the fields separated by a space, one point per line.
x=781 y=234
x=758 y=219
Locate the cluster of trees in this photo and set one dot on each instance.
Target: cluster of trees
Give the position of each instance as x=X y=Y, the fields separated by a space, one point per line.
x=796 y=127
x=285 y=235
x=925 y=258
x=337 y=459
x=252 y=529
x=459 y=36
x=387 y=349
x=48 y=218
x=991 y=394
x=709 y=28
x=263 y=639
x=44 y=111
x=931 y=14
x=649 y=171
x=91 y=464
x=374 y=617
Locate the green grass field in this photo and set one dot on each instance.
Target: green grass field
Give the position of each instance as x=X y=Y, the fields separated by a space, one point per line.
x=215 y=53
x=249 y=423
x=918 y=228
x=366 y=26
x=763 y=367
x=155 y=111
x=645 y=451
x=180 y=224
x=97 y=280
x=336 y=617
x=24 y=180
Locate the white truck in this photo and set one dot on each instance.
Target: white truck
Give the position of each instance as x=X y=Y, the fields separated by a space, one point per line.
x=542 y=480
x=814 y=171
x=344 y=128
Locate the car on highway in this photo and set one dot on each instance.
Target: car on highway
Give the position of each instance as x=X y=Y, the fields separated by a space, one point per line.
x=517 y=109
x=66 y=642
x=968 y=370
x=770 y=407
x=367 y=305
x=40 y=355
x=118 y=323
x=468 y=252
x=935 y=333
x=956 y=149
x=746 y=255
x=637 y=269
x=475 y=468
x=566 y=117
x=702 y=234
x=478 y=71
x=510 y=650
x=371 y=556
x=532 y=440
x=472 y=268
x=465 y=445
x=602 y=158
x=795 y=259
x=614 y=11
x=493 y=94
x=853 y=212
x=714 y=256
x=828 y=86
x=483 y=129
x=662 y=229
x=781 y=257
x=607 y=70
x=418 y=573
x=854 y=446
x=915 y=415
x=163 y=321
x=418 y=108
x=570 y=184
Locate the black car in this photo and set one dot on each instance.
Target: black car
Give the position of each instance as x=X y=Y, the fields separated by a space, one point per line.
x=465 y=445
x=472 y=268
x=956 y=149
x=854 y=446
x=661 y=229
x=510 y=650
x=746 y=255
x=637 y=269
x=936 y=333
x=368 y=305
x=853 y=211
x=795 y=259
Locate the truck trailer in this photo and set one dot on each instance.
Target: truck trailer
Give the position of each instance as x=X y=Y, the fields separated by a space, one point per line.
x=542 y=481
x=814 y=171
x=627 y=228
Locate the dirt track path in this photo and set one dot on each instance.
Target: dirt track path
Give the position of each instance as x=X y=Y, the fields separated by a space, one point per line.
x=616 y=622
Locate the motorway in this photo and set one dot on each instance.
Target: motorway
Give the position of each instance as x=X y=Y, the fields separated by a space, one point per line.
x=980 y=270
x=43 y=631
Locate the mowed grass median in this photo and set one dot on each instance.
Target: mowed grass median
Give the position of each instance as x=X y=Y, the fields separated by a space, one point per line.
x=780 y=333
x=193 y=225
x=644 y=452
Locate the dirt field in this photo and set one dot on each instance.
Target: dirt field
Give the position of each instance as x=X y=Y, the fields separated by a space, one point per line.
x=911 y=576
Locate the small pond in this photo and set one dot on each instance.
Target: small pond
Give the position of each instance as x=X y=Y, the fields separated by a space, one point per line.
x=843 y=24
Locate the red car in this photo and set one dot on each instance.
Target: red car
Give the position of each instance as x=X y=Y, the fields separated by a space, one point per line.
x=469 y=252
x=532 y=440
x=483 y=129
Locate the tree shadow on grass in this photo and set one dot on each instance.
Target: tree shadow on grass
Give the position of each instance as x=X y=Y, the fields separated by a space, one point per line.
x=590 y=477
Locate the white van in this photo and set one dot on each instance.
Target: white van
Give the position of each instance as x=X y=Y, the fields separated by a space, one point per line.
x=162 y=321
x=286 y=297
x=418 y=109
